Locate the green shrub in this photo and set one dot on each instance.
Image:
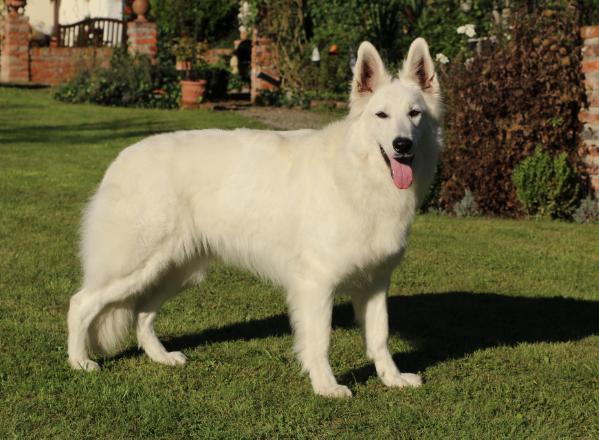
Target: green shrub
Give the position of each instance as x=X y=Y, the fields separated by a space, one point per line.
x=546 y=187
x=210 y=20
x=135 y=82
x=128 y=82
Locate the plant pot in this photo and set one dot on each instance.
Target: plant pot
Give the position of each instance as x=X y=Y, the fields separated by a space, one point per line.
x=192 y=93
x=140 y=7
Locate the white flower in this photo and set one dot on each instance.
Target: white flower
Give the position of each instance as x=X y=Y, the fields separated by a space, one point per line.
x=467 y=29
x=244 y=13
x=441 y=58
x=245 y=8
x=466 y=5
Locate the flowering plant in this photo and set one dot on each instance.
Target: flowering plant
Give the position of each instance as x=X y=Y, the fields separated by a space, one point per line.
x=246 y=17
x=441 y=58
x=467 y=29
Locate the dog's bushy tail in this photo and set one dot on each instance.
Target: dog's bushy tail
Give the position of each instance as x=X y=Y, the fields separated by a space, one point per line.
x=111 y=327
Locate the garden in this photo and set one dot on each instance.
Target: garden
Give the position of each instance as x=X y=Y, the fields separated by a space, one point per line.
x=489 y=56
x=496 y=303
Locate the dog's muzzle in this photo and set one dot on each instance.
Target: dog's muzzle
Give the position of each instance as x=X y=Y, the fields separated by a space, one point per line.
x=405 y=158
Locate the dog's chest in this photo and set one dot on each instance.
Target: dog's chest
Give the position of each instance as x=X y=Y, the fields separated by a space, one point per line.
x=369 y=237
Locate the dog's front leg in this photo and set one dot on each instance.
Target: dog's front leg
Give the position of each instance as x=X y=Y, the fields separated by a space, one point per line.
x=310 y=309
x=370 y=308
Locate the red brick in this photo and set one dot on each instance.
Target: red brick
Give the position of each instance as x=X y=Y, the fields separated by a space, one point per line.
x=590 y=66
x=591 y=51
x=591 y=82
x=589 y=32
x=148 y=41
x=588 y=117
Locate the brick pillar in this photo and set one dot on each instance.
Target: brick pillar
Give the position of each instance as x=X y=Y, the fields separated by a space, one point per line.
x=15 y=50
x=590 y=116
x=143 y=38
x=264 y=60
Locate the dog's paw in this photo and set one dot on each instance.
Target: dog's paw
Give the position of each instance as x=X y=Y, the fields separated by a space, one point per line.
x=334 y=391
x=84 y=364
x=177 y=358
x=171 y=358
x=413 y=380
x=402 y=380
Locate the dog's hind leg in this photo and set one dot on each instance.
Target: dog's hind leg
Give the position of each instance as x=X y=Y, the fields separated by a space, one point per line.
x=147 y=339
x=370 y=307
x=148 y=308
x=310 y=309
x=89 y=305
x=101 y=315
x=82 y=311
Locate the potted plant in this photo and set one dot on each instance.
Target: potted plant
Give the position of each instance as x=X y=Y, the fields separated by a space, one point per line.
x=190 y=60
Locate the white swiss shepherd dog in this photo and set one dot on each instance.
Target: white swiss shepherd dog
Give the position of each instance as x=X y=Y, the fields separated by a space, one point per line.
x=319 y=212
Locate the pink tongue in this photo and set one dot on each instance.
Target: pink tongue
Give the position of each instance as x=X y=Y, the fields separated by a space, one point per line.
x=402 y=174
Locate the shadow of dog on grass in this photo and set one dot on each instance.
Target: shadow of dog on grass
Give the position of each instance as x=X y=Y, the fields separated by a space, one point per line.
x=442 y=326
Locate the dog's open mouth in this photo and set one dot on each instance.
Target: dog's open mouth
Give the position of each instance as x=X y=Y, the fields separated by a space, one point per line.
x=400 y=167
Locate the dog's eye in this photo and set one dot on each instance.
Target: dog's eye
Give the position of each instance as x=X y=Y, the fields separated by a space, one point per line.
x=414 y=113
x=382 y=115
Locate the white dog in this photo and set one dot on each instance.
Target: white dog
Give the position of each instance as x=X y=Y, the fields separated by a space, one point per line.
x=316 y=211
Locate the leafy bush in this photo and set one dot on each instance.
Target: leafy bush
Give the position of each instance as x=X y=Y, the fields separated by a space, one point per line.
x=128 y=82
x=546 y=186
x=298 y=26
x=210 y=20
x=132 y=81
x=439 y=20
x=587 y=212
x=523 y=90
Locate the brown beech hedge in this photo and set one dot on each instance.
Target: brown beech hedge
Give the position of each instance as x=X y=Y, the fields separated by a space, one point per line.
x=516 y=93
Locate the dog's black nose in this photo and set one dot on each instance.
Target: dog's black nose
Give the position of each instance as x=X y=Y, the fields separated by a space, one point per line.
x=402 y=145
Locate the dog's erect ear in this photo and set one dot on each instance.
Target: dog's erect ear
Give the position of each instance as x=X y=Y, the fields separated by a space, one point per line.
x=369 y=73
x=419 y=67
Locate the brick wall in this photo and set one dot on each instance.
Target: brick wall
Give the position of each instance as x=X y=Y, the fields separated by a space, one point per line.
x=14 y=66
x=54 y=65
x=264 y=60
x=143 y=38
x=590 y=115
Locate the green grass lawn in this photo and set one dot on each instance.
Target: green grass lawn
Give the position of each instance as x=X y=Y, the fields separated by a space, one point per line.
x=501 y=317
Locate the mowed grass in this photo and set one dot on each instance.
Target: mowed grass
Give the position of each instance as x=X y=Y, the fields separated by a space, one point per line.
x=501 y=317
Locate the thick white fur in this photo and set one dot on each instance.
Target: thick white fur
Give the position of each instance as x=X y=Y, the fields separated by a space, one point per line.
x=315 y=211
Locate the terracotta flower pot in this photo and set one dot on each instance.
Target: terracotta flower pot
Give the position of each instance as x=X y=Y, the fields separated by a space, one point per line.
x=192 y=93
x=140 y=7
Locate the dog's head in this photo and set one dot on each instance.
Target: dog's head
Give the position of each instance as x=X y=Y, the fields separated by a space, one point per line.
x=396 y=113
